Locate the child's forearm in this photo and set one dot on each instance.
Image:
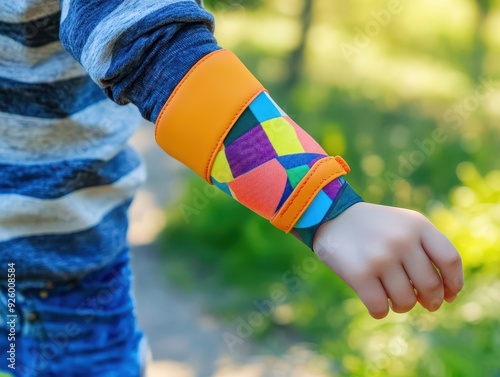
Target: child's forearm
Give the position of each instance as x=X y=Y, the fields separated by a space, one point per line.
x=222 y=123
x=267 y=161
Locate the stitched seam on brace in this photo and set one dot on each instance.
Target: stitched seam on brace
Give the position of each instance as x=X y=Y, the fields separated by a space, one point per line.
x=224 y=134
x=344 y=164
x=329 y=178
x=304 y=182
x=184 y=79
x=335 y=174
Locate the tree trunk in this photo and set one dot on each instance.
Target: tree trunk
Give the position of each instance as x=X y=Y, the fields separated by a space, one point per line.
x=297 y=56
x=479 y=49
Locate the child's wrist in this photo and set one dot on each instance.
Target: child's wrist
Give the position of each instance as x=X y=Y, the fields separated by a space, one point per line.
x=343 y=200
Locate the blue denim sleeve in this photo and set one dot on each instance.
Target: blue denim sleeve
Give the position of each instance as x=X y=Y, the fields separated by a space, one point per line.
x=137 y=51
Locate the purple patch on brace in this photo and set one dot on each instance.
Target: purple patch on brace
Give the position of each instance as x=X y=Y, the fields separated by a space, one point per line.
x=250 y=150
x=332 y=189
x=313 y=161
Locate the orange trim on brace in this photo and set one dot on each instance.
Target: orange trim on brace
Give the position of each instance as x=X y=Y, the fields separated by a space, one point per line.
x=203 y=108
x=323 y=172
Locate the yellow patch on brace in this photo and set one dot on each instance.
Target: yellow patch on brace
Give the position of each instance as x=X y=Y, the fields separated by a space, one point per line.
x=220 y=169
x=282 y=136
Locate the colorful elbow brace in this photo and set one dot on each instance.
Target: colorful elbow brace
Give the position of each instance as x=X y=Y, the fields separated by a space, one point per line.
x=221 y=122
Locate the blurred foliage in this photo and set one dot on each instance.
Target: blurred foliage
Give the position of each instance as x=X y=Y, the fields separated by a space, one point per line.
x=415 y=111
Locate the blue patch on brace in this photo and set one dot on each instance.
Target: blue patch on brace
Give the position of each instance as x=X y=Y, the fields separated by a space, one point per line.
x=291 y=161
x=223 y=186
x=288 y=191
x=263 y=108
x=315 y=212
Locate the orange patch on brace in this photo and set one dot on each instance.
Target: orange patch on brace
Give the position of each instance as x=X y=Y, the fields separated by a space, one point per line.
x=261 y=189
x=308 y=143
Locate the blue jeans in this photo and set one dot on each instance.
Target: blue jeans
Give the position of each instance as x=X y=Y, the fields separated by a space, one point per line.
x=79 y=328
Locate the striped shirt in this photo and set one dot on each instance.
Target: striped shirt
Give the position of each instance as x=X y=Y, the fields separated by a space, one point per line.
x=67 y=175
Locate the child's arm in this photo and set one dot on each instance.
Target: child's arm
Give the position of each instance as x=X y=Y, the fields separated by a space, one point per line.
x=221 y=123
x=258 y=155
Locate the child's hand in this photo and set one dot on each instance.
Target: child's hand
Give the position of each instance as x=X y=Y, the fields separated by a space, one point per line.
x=386 y=252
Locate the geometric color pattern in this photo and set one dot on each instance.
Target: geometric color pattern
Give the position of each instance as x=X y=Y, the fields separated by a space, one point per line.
x=264 y=157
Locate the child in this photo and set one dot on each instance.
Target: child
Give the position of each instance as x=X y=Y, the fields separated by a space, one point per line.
x=68 y=177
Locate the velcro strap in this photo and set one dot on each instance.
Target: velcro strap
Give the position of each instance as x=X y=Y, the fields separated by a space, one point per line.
x=203 y=108
x=323 y=172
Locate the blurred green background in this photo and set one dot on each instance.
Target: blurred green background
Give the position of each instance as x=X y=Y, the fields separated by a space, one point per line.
x=409 y=93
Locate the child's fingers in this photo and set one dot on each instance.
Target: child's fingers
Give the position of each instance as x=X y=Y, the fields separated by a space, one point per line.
x=446 y=258
x=372 y=294
x=399 y=289
x=425 y=279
